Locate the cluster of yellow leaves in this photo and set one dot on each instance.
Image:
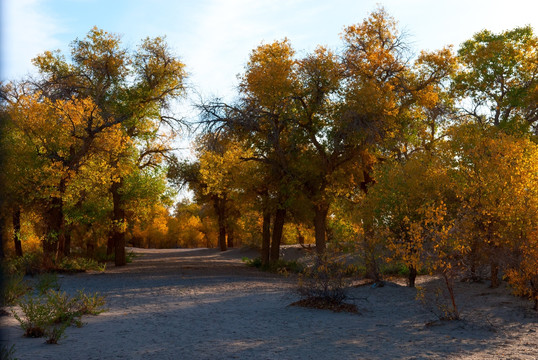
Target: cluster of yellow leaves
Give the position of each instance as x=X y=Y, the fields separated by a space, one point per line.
x=221 y=172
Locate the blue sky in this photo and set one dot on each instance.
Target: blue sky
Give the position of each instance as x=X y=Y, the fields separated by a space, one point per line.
x=214 y=38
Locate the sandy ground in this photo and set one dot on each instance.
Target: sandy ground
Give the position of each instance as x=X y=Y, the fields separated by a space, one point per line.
x=204 y=304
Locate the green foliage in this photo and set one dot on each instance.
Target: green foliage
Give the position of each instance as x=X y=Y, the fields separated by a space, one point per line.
x=14 y=287
x=47 y=281
x=80 y=264
x=30 y=263
x=55 y=332
x=7 y=353
x=89 y=304
x=399 y=268
x=37 y=316
x=51 y=313
x=279 y=266
x=256 y=262
x=130 y=256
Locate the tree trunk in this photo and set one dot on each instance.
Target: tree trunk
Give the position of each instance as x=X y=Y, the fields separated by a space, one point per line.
x=117 y=235
x=495 y=282
x=61 y=249
x=266 y=237
x=474 y=259
x=67 y=242
x=300 y=236
x=534 y=292
x=278 y=227
x=2 y=240
x=54 y=242
x=371 y=255
x=412 y=276
x=110 y=245
x=230 y=237
x=449 y=282
x=218 y=204
x=17 y=230
x=320 y=226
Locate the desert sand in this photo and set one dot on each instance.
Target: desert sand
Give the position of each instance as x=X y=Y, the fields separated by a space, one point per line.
x=206 y=304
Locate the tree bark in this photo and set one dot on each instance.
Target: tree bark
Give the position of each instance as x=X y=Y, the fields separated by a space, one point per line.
x=61 y=249
x=17 y=230
x=412 y=276
x=371 y=256
x=67 y=241
x=54 y=242
x=300 y=236
x=278 y=228
x=266 y=237
x=320 y=226
x=219 y=205
x=230 y=237
x=495 y=282
x=110 y=244
x=2 y=239
x=117 y=235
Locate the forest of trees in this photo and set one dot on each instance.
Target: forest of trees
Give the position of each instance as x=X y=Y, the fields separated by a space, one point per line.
x=428 y=160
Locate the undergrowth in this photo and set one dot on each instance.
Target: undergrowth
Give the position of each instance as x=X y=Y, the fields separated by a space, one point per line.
x=51 y=313
x=279 y=266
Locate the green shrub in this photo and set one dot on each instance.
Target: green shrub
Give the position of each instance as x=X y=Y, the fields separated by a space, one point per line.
x=102 y=257
x=7 y=353
x=283 y=267
x=37 y=316
x=89 y=304
x=47 y=281
x=130 y=256
x=79 y=264
x=13 y=288
x=50 y=314
x=30 y=264
x=55 y=332
x=280 y=266
x=256 y=262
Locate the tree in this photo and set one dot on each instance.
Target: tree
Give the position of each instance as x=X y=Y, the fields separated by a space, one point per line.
x=261 y=119
x=494 y=178
x=498 y=79
x=407 y=198
x=357 y=111
x=62 y=135
x=130 y=92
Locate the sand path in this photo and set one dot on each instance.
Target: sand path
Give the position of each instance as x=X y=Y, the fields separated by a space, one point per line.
x=204 y=304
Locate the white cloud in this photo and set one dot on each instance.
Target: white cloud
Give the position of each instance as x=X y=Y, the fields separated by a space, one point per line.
x=27 y=30
x=225 y=32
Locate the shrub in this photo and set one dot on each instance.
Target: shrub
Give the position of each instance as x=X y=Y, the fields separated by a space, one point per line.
x=7 y=353
x=79 y=264
x=47 y=281
x=256 y=262
x=30 y=264
x=13 y=288
x=89 y=304
x=280 y=266
x=325 y=279
x=50 y=314
x=439 y=301
x=37 y=316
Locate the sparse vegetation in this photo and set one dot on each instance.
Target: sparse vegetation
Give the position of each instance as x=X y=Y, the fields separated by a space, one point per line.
x=324 y=283
x=49 y=314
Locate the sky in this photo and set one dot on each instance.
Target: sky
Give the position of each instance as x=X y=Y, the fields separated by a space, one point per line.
x=215 y=37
